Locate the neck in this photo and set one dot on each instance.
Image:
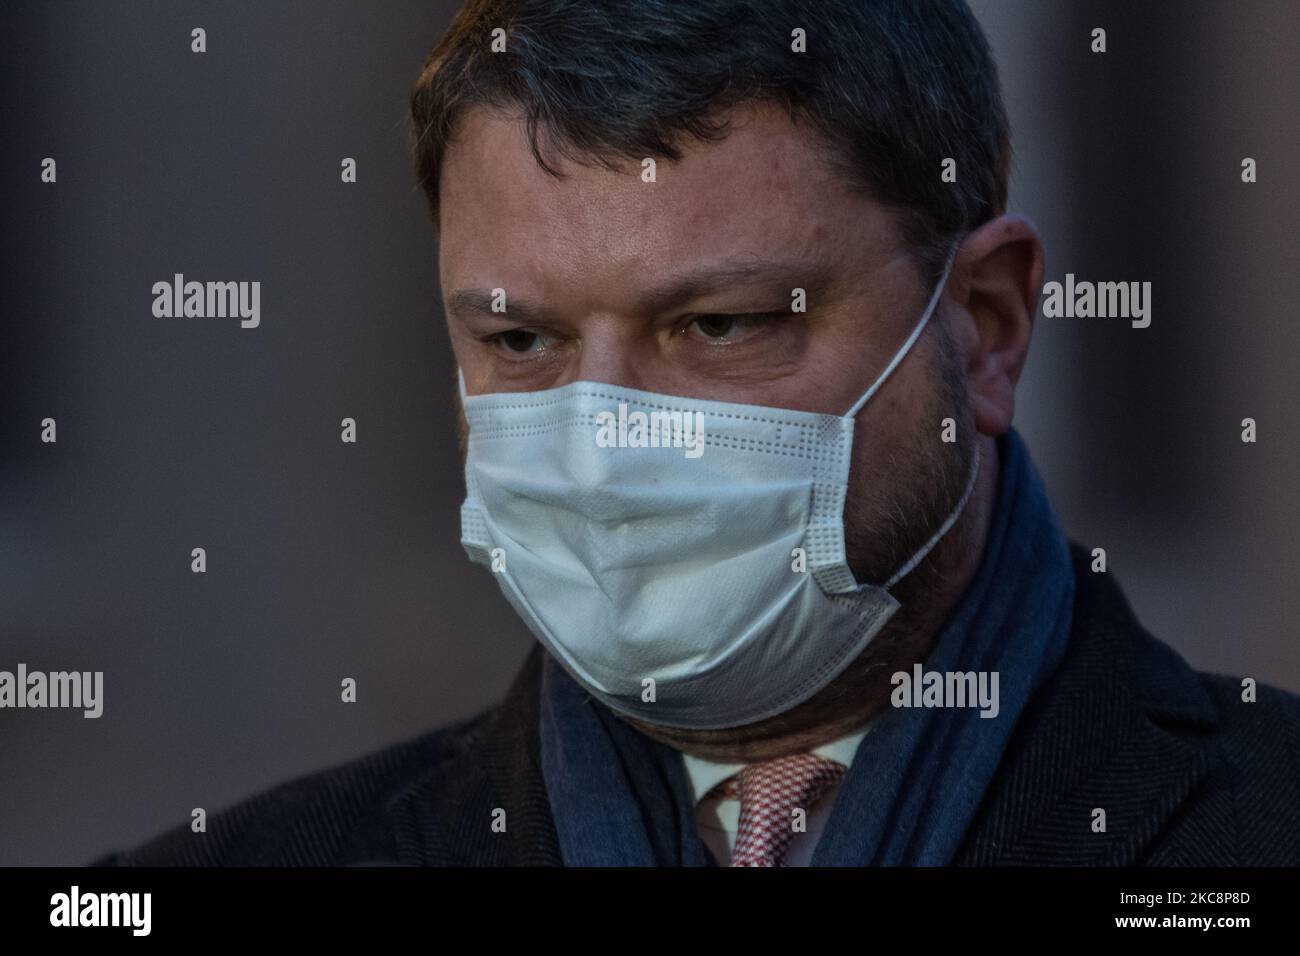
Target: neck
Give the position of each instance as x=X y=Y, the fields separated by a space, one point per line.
x=927 y=598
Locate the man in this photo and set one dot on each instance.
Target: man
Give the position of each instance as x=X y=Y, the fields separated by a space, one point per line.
x=737 y=371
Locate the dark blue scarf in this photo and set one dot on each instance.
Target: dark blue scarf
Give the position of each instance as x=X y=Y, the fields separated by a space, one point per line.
x=621 y=799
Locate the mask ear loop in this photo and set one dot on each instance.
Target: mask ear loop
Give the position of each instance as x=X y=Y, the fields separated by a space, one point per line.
x=893 y=364
x=911 y=339
x=460 y=379
x=943 y=529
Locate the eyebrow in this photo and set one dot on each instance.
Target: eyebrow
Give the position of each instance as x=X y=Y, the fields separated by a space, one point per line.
x=479 y=302
x=787 y=274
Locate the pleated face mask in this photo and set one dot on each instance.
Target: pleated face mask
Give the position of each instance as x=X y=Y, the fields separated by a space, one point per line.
x=683 y=559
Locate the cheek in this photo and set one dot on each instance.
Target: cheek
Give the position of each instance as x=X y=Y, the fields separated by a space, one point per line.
x=894 y=470
x=879 y=464
x=890 y=427
x=466 y=354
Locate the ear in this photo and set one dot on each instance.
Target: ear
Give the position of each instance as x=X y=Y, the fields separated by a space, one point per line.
x=998 y=278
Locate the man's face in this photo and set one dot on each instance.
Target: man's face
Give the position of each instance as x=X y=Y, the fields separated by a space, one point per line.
x=684 y=286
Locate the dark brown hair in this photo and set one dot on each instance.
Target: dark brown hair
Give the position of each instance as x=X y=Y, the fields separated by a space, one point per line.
x=893 y=86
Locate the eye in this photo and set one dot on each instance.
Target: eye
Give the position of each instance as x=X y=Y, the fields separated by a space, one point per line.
x=715 y=326
x=519 y=341
x=728 y=329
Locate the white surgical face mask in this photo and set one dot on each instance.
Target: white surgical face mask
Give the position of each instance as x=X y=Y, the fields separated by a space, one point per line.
x=668 y=580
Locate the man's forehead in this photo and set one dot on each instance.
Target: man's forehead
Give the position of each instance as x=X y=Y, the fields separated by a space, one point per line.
x=764 y=188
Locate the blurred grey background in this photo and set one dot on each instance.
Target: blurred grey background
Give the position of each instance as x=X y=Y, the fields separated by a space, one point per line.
x=328 y=560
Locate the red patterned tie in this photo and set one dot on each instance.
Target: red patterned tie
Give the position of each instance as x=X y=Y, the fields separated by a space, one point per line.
x=769 y=792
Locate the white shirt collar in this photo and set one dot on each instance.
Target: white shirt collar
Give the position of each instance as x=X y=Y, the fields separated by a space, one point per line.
x=706 y=774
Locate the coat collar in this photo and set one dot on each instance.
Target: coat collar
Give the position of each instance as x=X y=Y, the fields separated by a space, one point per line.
x=491 y=771
x=1109 y=730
